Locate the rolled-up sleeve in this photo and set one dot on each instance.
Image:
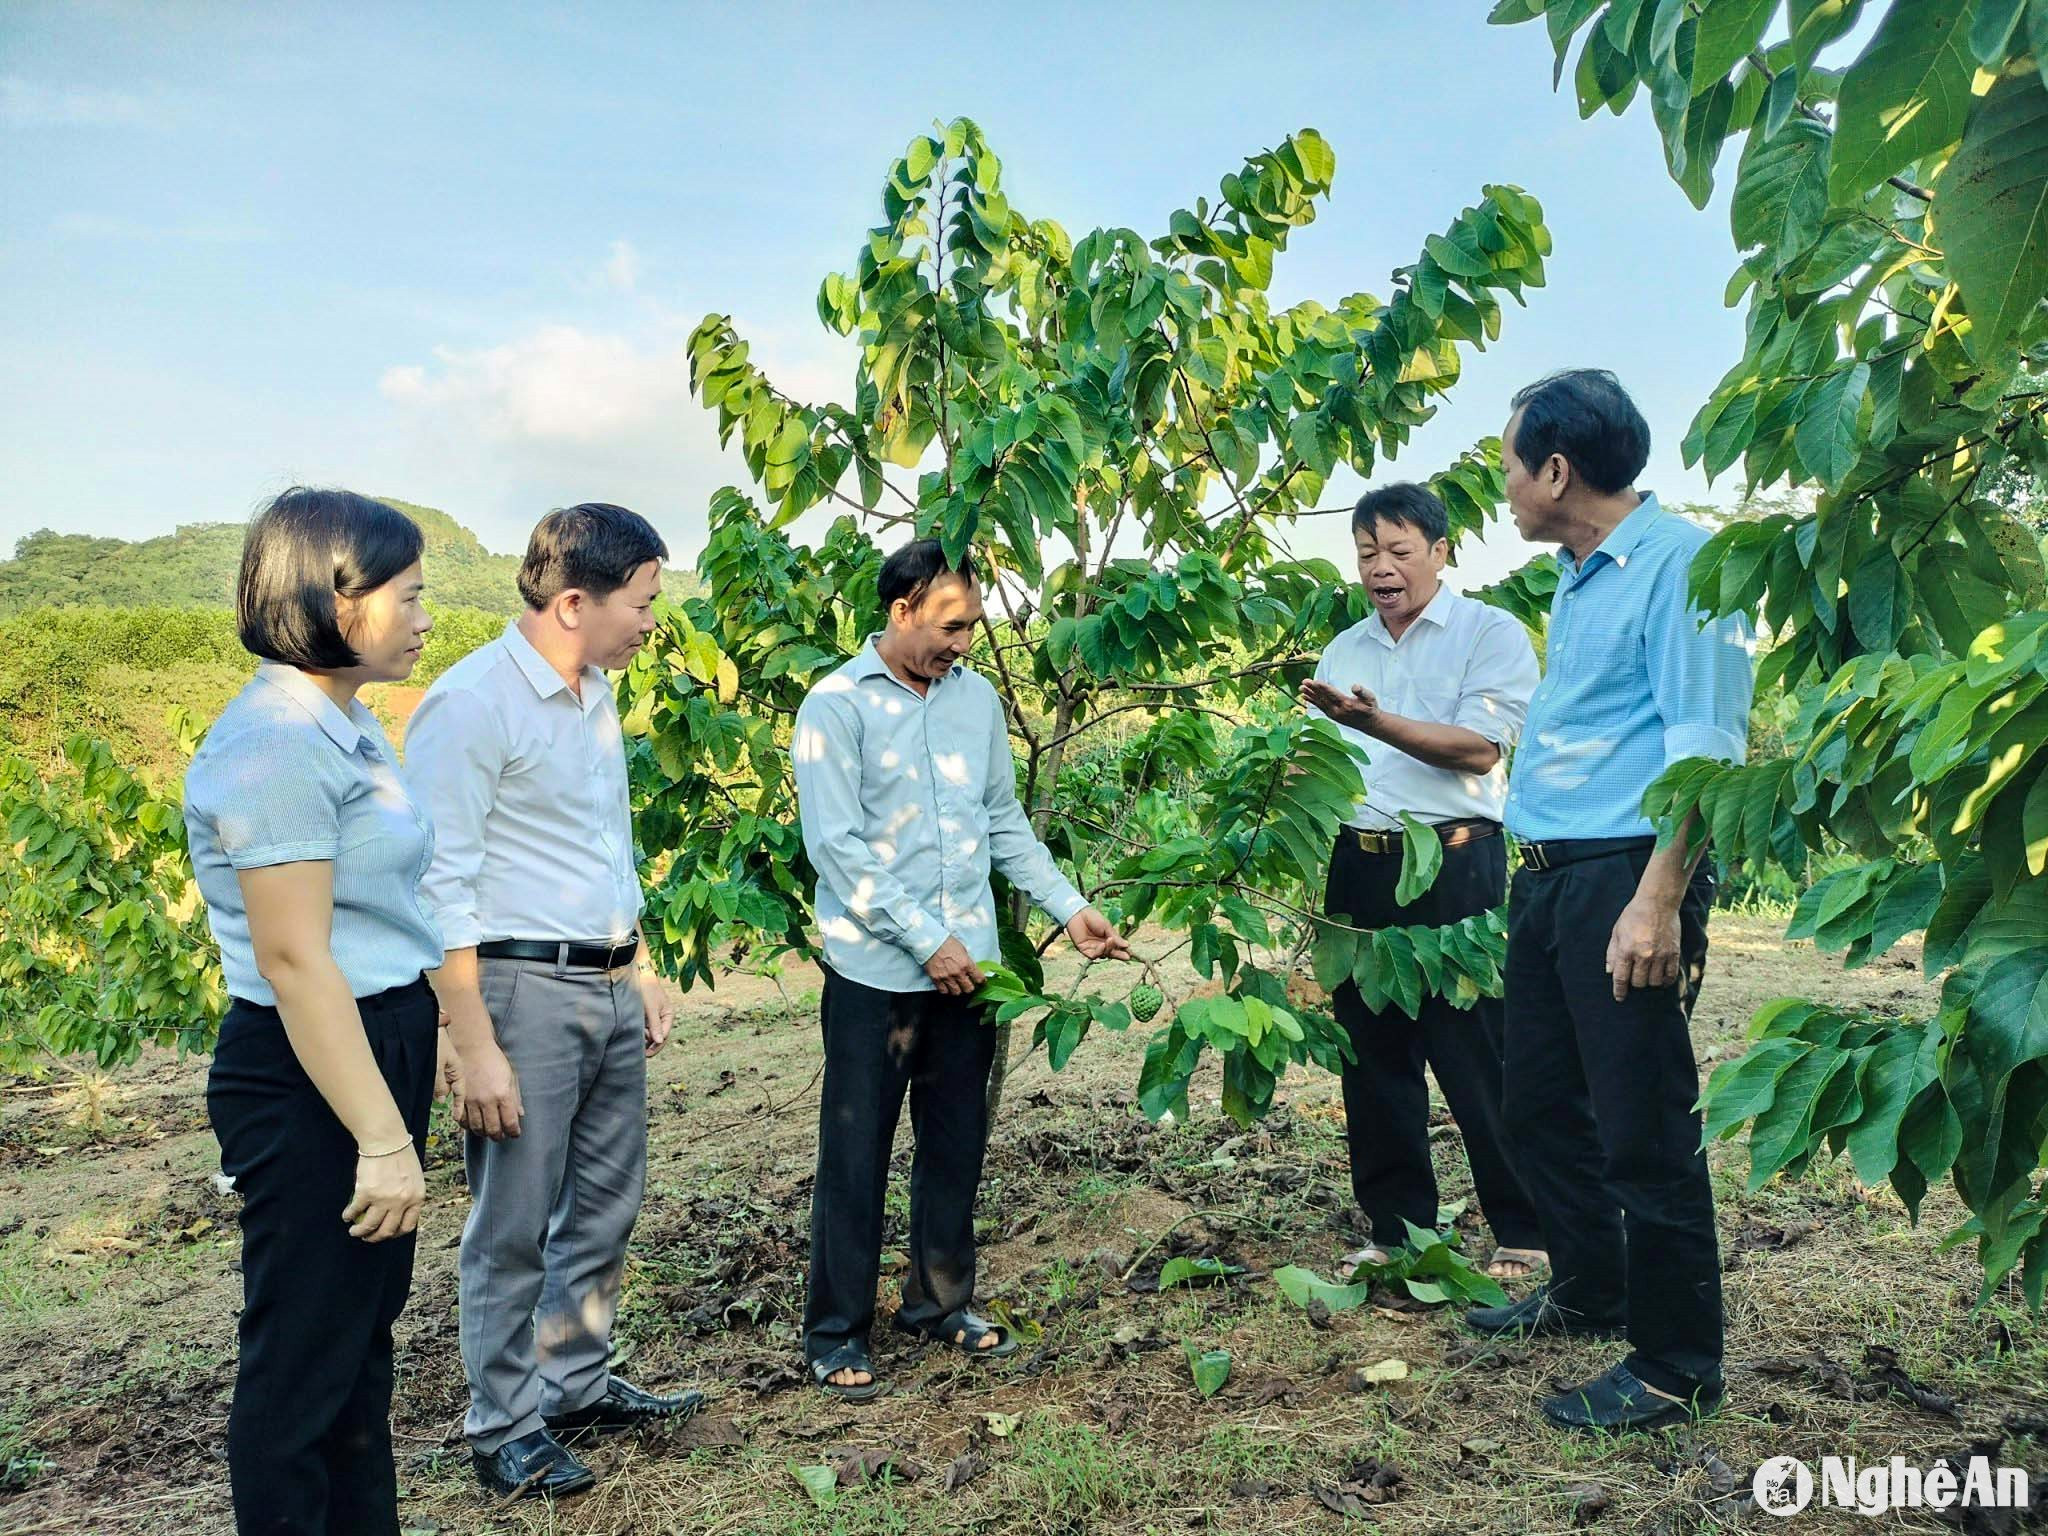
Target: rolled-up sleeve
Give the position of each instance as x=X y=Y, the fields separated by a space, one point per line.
x=454 y=753
x=825 y=754
x=1013 y=847
x=277 y=801
x=1500 y=677
x=1702 y=674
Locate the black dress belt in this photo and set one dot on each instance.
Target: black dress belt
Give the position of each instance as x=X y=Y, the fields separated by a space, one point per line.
x=1560 y=851
x=1460 y=829
x=593 y=957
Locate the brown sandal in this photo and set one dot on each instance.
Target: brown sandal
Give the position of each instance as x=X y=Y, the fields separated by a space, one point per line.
x=1515 y=1263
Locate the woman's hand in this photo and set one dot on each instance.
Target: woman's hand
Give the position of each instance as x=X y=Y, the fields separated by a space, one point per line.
x=389 y=1193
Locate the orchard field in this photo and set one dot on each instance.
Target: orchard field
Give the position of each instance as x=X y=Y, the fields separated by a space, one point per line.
x=1850 y=1332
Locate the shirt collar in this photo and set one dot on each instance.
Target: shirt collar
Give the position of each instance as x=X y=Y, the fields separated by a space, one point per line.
x=341 y=728
x=540 y=672
x=1436 y=611
x=868 y=662
x=1624 y=536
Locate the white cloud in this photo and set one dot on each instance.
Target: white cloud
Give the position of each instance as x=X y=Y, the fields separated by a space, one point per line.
x=622 y=269
x=558 y=384
x=54 y=106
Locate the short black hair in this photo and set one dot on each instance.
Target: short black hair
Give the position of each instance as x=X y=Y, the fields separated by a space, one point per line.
x=302 y=552
x=1403 y=502
x=909 y=572
x=593 y=547
x=1584 y=414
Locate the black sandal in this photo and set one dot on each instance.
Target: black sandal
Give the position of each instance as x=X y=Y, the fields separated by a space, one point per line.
x=972 y=1331
x=850 y=1356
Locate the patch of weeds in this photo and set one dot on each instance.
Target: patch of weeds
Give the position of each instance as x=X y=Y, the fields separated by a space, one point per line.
x=20 y=1462
x=32 y=1290
x=1240 y=1451
x=1064 y=1468
x=1060 y=1283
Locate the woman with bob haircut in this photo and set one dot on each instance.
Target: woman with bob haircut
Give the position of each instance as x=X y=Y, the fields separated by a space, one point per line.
x=308 y=851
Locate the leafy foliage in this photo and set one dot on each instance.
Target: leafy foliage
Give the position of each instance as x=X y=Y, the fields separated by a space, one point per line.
x=1892 y=216
x=97 y=953
x=1122 y=430
x=1428 y=1266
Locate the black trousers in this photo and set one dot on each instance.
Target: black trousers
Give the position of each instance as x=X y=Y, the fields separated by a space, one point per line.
x=877 y=1044
x=1600 y=1111
x=1386 y=1100
x=309 y=1433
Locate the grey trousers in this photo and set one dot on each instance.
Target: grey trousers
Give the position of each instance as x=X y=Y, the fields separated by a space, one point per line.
x=551 y=1209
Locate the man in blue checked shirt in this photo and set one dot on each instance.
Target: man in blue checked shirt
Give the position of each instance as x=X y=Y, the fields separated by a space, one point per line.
x=1607 y=932
x=908 y=796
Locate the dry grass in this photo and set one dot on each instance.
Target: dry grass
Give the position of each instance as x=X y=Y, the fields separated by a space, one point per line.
x=117 y=1302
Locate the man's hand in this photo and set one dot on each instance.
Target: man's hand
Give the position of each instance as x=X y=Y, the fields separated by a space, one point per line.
x=490 y=1094
x=1095 y=938
x=1357 y=709
x=447 y=1070
x=953 y=970
x=1643 y=949
x=660 y=1009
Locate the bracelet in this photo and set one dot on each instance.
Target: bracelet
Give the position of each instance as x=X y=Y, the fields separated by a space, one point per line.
x=388 y=1151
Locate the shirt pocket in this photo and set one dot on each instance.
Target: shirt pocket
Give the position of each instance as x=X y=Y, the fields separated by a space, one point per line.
x=1432 y=700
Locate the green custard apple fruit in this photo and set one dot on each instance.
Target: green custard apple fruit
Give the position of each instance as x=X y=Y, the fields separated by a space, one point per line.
x=1146 y=1001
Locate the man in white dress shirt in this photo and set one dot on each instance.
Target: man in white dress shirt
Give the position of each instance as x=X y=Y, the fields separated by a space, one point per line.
x=1434 y=686
x=517 y=752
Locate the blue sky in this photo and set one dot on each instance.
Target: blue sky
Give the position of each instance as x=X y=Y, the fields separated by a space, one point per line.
x=450 y=253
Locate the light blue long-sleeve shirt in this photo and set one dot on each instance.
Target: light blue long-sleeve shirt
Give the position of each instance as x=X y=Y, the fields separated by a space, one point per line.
x=1633 y=681
x=907 y=803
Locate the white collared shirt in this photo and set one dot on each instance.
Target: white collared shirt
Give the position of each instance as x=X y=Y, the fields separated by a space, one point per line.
x=527 y=787
x=1459 y=662
x=908 y=802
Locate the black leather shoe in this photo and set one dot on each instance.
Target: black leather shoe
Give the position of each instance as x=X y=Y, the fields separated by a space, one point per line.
x=535 y=1466
x=1536 y=1314
x=1620 y=1401
x=623 y=1406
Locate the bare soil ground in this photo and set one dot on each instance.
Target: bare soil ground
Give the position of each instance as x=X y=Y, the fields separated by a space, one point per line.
x=118 y=1295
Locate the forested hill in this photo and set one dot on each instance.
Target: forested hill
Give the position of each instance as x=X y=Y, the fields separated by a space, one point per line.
x=195 y=568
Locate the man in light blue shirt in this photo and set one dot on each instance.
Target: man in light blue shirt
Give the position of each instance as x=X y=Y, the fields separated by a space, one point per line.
x=1607 y=933
x=908 y=796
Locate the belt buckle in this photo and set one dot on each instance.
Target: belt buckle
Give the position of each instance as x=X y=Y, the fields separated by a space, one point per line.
x=1370 y=842
x=1532 y=855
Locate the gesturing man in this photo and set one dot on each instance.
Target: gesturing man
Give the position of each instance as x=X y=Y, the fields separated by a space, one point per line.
x=1434 y=686
x=518 y=754
x=908 y=797
x=1607 y=937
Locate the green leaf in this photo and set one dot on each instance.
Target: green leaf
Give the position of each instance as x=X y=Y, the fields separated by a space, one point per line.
x=1744 y=1088
x=1781 y=191
x=820 y=1482
x=1210 y=1368
x=1879 y=600
x=1301 y=1286
x=1892 y=1078
x=1826 y=435
x=1907 y=95
x=1185 y=1270
x=1993 y=28
x=1815 y=24
x=1422 y=856
x=1728 y=29
x=1992 y=214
